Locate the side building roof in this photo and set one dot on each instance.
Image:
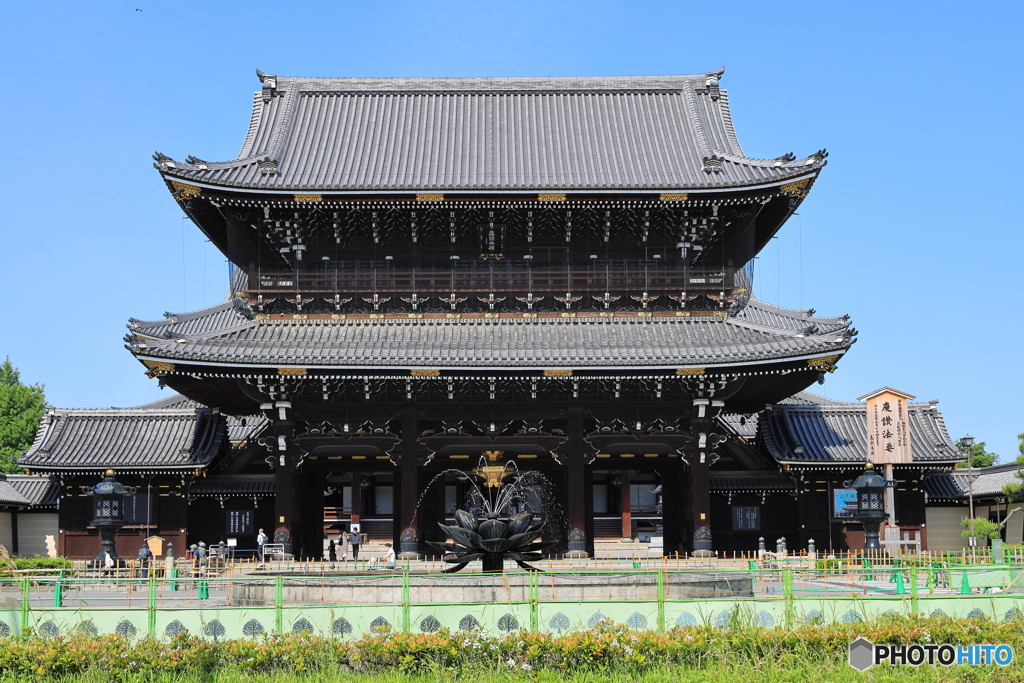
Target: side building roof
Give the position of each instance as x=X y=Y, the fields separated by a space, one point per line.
x=988 y=482
x=165 y=436
x=836 y=432
x=477 y=134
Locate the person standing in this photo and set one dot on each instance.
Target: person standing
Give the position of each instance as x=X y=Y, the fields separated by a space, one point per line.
x=332 y=551
x=355 y=540
x=343 y=543
x=261 y=540
x=145 y=555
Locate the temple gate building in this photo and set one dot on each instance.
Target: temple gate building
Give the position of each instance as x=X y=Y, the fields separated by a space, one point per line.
x=555 y=272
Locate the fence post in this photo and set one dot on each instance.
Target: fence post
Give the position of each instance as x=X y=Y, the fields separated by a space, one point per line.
x=661 y=600
x=787 y=593
x=279 y=603
x=24 y=603
x=913 y=589
x=152 y=605
x=58 y=590
x=406 y=603
x=534 y=584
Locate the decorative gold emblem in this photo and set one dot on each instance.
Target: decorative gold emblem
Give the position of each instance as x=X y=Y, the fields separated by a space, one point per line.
x=337 y=316
x=682 y=314
x=415 y=315
x=183 y=191
x=308 y=197
x=824 y=362
x=430 y=197
x=558 y=373
x=797 y=189
x=551 y=197
x=453 y=316
x=674 y=196
x=299 y=316
x=424 y=373
x=292 y=371
x=690 y=371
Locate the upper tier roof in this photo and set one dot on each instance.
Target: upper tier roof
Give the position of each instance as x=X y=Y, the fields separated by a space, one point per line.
x=402 y=343
x=836 y=432
x=670 y=133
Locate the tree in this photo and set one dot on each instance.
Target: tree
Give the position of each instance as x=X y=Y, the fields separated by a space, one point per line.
x=979 y=457
x=21 y=409
x=983 y=528
x=1015 y=492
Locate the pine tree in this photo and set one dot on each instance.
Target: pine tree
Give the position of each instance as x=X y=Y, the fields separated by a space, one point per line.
x=21 y=409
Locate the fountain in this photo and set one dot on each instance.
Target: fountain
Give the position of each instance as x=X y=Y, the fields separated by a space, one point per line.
x=492 y=540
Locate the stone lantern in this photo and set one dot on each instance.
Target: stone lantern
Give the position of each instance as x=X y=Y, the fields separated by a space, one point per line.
x=870 y=487
x=108 y=514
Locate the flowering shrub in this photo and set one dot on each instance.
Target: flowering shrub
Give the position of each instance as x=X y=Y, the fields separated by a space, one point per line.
x=607 y=647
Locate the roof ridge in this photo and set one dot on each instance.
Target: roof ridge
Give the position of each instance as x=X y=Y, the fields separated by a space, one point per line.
x=806 y=314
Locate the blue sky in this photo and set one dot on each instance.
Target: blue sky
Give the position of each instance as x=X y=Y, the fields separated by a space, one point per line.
x=906 y=230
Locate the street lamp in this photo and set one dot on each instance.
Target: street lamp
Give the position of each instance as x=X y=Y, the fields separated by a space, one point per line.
x=108 y=514
x=966 y=446
x=871 y=512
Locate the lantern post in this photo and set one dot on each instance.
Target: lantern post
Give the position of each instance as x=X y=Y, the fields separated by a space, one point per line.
x=870 y=487
x=108 y=514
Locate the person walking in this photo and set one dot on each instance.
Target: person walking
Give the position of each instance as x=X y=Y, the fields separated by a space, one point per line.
x=145 y=555
x=261 y=540
x=332 y=551
x=355 y=540
x=343 y=544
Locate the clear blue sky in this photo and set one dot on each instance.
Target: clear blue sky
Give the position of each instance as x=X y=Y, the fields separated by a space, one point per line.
x=912 y=229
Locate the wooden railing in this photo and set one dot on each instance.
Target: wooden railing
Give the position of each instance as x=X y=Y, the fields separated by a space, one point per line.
x=481 y=281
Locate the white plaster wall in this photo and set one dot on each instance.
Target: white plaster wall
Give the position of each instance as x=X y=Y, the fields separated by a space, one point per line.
x=943 y=525
x=37 y=534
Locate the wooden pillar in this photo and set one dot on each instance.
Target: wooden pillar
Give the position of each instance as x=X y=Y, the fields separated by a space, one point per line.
x=673 y=509
x=626 y=505
x=700 y=451
x=575 y=483
x=284 y=499
x=406 y=532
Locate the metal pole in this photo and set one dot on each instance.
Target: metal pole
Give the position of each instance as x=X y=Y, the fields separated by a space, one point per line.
x=970 y=493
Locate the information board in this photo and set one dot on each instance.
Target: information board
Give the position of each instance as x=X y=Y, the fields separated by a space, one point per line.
x=746 y=518
x=239 y=522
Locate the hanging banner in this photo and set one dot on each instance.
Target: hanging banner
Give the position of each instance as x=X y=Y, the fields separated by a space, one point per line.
x=888 y=430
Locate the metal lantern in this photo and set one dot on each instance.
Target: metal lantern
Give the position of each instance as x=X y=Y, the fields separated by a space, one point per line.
x=108 y=514
x=871 y=512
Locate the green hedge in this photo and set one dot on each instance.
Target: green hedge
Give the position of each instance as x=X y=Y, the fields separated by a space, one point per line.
x=608 y=647
x=41 y=562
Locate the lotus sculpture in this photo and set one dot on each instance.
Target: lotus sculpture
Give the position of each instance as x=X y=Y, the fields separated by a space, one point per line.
x=492 y=541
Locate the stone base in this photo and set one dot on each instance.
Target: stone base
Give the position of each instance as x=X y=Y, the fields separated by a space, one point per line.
x=577 y=555
x=408 y=555
x=704 y=553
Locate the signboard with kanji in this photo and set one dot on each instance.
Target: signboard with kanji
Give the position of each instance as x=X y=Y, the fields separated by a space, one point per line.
x=239 y=522
x=888 y=428
x=746 y=518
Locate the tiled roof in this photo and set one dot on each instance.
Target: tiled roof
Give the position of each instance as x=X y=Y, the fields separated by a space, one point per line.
x=746 y=425
x=749 y=482
x=832 y=431
x=38 y=491
x=584 y=342
x=988 y=482
x=10 y=496
x=233 y=485
x=126 y=439
x=546 y=134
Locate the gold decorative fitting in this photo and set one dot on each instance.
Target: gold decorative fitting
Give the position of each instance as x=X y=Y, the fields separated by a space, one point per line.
x=492 y=315
x=415 y=315
x=826 y=362
x=682 y=314
x=376 y=316
x=690 y=371
x=529 y=315
x=263 y=316
x=292 y=371
x=184 y=190
x=430 y=197
x=454 y=316
x=308 y=197
x=568 y=315
x=240 y=294
x=337 y=316
x=797 y=189
x=558 y=373
x=551 y=197
x=720 y=314
x=674 y=196
x=606 y=314
x=644 y=314
x=425 y=373
x=299 y=316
